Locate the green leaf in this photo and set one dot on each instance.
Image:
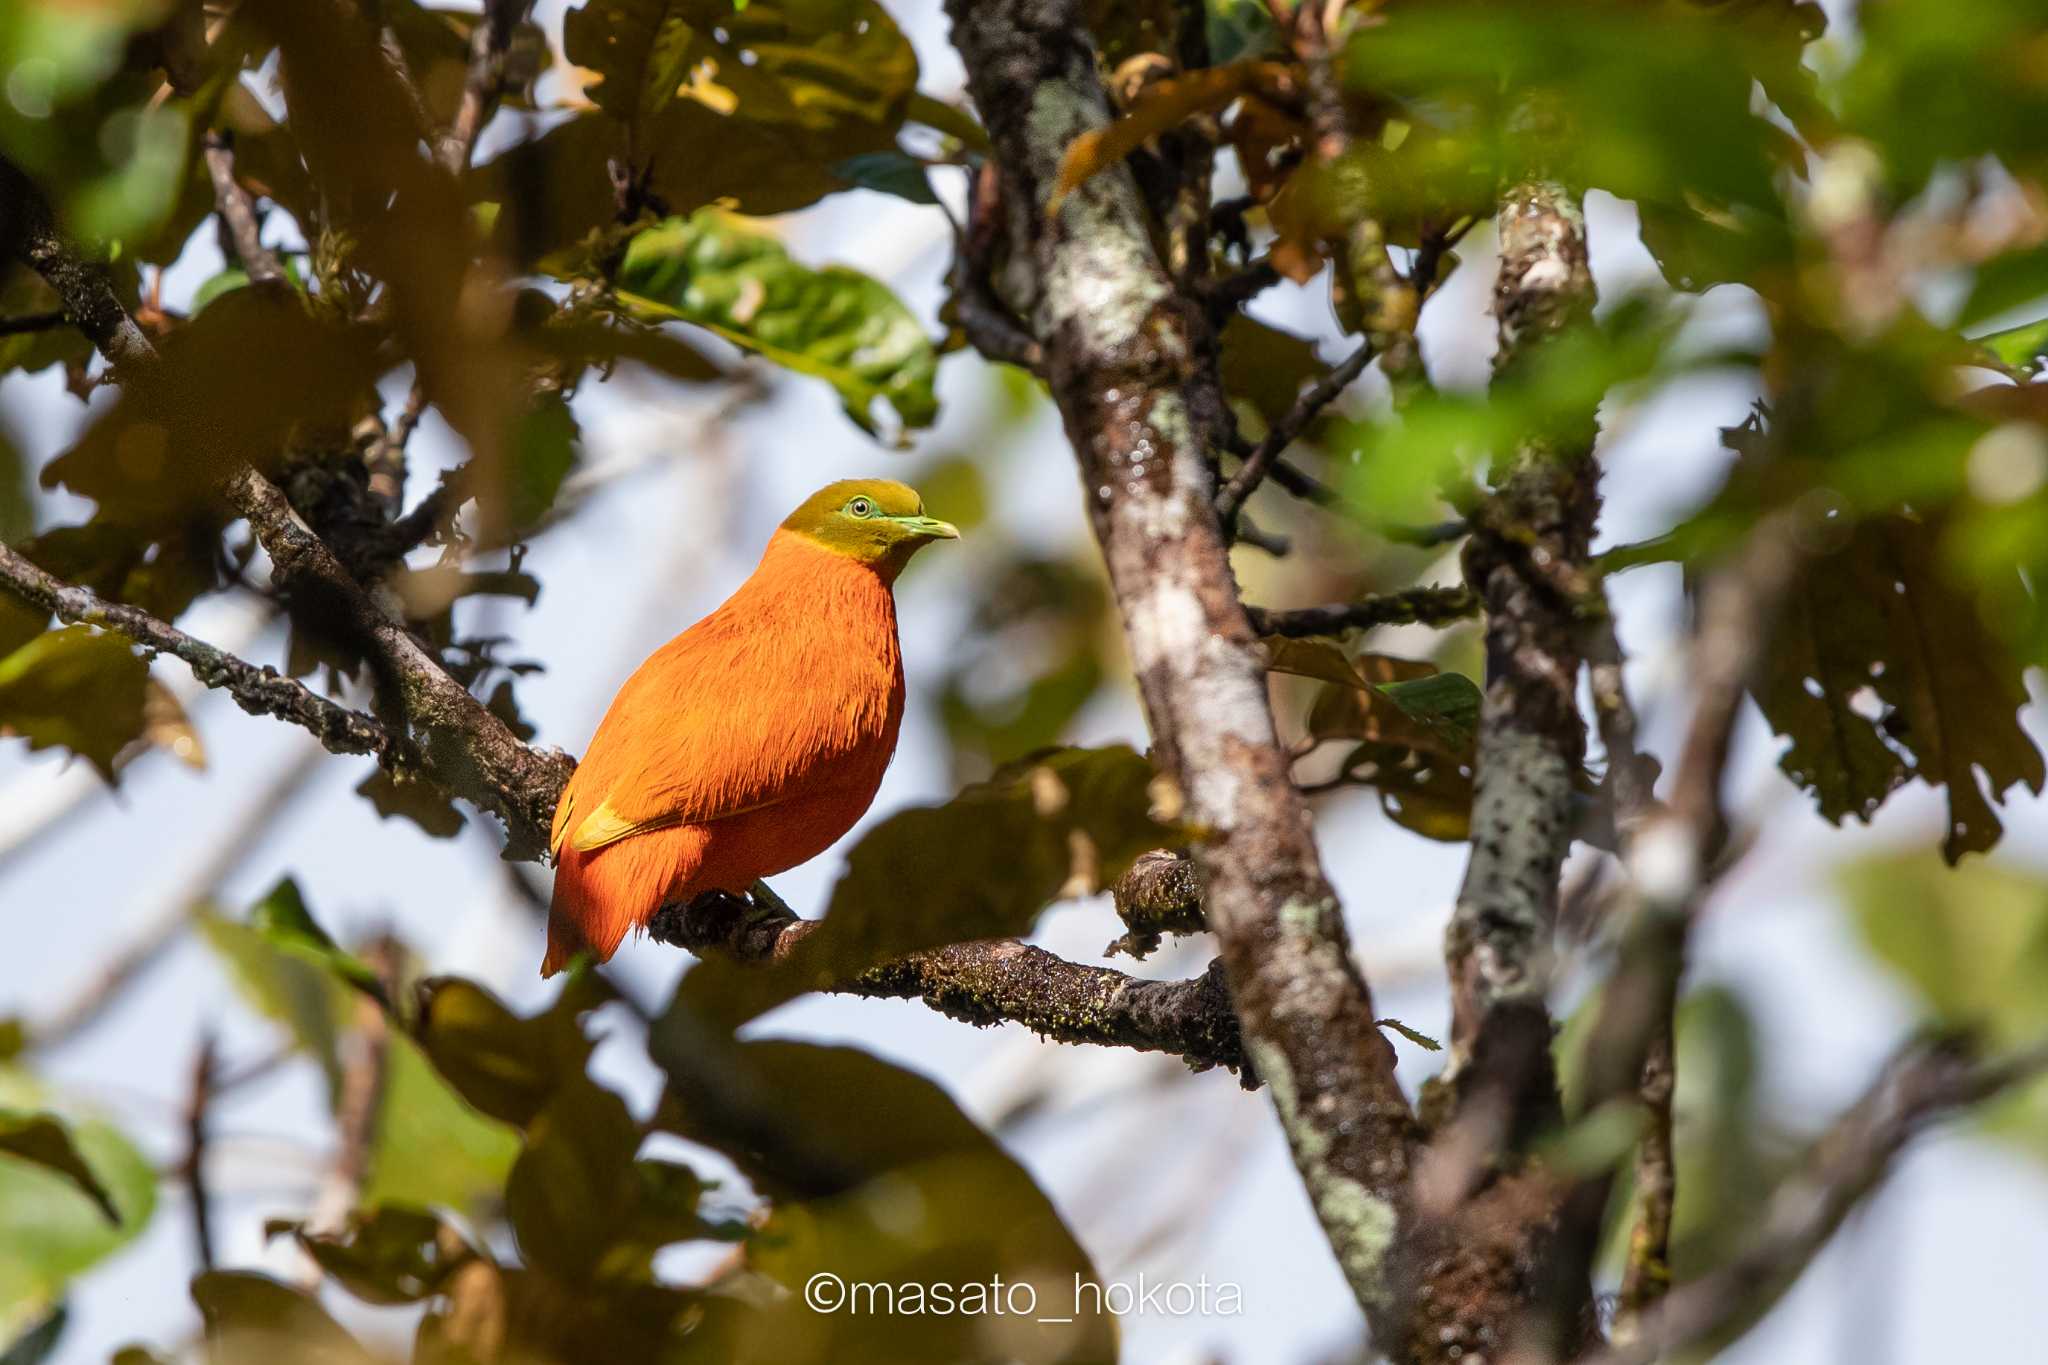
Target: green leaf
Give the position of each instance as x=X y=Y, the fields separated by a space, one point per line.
x=544 y=446
x=301 y=995
x=43 y=1140
x=1415 y=730
x=1972 y=943
x=389 y=1255
x=983 y=865
x=282 y=918
x=75 y=688
x=2005 y=283
x=922 y=1196
x=1882 y=671
x=837 y=71
x=2018 y=348
x=888 y=172
x=433 y=1150
x=583 y=1208
x=51 y=1230
x=844 y=327
x=252 y=1319
x=505 y=1065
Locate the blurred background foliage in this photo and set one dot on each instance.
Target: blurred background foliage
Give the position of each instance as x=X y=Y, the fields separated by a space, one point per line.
x=1874 y=188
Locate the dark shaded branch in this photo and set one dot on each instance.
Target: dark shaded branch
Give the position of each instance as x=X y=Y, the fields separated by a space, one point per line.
x=259 y=691
x=1925 y=1083
x=1160 y=894
x=463 y=746
x=1307 y=407
x=1647 y=1274
x=994 y=982
x=1409 y=607
x=32 y=322
x=1223 y=297
x=1629 y=775
x=483 y=82
x=238 y=211
x=28 y=231
x=1130 y=361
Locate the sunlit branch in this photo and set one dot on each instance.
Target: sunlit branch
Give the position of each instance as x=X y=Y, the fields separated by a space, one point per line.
x=994 y=982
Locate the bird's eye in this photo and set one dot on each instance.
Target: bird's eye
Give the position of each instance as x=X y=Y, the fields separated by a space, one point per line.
x=861 y=507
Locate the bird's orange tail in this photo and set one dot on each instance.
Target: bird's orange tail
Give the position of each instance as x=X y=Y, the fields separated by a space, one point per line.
x=593 y=905
x=603 y=894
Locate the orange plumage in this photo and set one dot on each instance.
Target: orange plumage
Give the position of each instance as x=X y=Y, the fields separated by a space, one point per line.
x=752 y=741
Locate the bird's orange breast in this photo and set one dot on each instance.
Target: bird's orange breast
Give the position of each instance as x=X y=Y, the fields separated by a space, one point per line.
x=746 y=745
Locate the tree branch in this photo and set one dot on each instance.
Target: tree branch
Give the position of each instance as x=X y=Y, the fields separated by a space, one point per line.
x=460 y=744
x=1130 y=362
x=996 y=982
x=1485 y=1213
x=463 y=746
x=259 y=691
x=1926 y=1082
x=1160 y=894
x=1409 y=607
x=1531 y=738
x=238 y=211
x=28 y=231
x=1307 y=407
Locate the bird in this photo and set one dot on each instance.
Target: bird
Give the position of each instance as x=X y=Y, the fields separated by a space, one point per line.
x=753 y=740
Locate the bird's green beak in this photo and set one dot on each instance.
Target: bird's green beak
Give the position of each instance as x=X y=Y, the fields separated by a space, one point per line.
x=928 y=528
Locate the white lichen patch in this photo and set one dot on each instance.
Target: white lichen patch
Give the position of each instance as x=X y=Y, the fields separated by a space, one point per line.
x=1103 y=279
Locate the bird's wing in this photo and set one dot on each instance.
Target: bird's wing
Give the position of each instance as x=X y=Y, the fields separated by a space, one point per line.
x=693 y=736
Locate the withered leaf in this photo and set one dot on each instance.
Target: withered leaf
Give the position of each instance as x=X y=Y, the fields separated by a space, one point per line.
x=1881 y=671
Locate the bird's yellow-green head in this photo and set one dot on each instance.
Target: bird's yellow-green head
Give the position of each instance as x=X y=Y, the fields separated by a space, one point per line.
x=879 y=522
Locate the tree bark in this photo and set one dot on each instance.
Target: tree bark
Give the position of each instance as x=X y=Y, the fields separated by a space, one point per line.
x=1131 y=364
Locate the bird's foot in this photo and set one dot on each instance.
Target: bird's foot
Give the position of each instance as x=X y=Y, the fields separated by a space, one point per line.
x=713 y=919
x=767 y=904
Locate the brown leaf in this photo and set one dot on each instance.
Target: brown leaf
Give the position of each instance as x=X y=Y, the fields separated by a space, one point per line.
x=1162 y=106
x=1265 y=366
x=166 y=726
x=1882 y=671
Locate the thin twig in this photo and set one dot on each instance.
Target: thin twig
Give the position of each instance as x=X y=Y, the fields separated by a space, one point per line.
x=1259 y=463
x=32 y=322
x=358 y=1106
x=1408 y=607
x=175 y=909
x=193 y=1167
